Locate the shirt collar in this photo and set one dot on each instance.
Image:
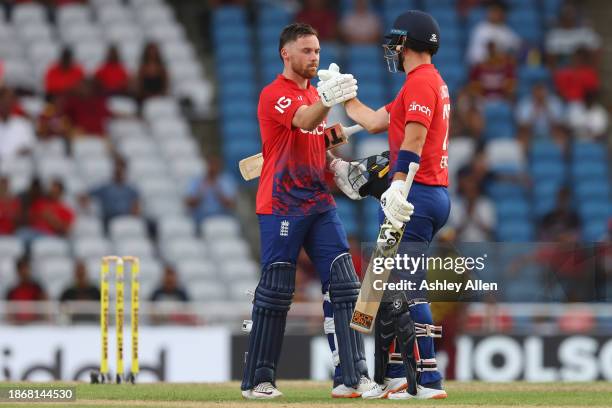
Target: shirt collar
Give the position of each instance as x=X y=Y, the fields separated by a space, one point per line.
x=421 y=67
x=281 y=77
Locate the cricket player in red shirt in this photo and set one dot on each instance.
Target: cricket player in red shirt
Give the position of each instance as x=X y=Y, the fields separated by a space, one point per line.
x=295 y=210
x=417 y=122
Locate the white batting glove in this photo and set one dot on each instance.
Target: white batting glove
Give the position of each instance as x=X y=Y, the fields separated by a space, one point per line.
x=327 y=74
x=394 y=204
x=341 y=171
x=340 y=88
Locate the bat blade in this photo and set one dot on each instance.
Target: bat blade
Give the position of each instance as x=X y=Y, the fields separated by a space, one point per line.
x=387 y=244
x=250 y=167
x=335 y=135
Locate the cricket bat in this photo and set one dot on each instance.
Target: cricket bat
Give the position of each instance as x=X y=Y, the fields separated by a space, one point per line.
x=387 y=244
x=336 y=135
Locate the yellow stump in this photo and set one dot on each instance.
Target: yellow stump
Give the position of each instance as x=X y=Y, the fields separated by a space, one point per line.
x=119 y=316
x=104 y=303
x=135 y=299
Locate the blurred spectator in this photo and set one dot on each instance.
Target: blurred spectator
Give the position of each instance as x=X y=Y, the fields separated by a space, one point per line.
x=588 y=120
x=574 y=81
x=152 y=79
x=169 y=288
x=26 y=290
x=321 y=17
x=64 y=75
x=81 y=289
x=117 y=197
x=10 y=208
x=494 y=29
x=361 y=26
x=112 y=76
x=472 y=214
x=568 y=36
x=540 y=111
x=50 y=216
x=52 y=121
x=16 y=132
x=495 y=77
x=87 y=110
x=562 y=220
x=212 y=194
x=27 y=200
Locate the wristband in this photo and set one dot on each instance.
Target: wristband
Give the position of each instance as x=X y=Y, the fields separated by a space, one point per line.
x=404 y=158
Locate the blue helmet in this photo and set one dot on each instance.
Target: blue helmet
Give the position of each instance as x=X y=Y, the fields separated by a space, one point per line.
x=415 y=29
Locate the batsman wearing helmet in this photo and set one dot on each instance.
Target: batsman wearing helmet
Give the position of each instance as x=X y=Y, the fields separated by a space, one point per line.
x=295 y=210
x=417 y=122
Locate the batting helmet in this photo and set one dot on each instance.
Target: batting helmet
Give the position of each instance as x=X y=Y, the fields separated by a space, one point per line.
x=415 y=30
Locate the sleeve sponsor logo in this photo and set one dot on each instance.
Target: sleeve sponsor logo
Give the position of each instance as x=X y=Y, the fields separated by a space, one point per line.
x=282 y=104
x=415 y=107
x=444 y=92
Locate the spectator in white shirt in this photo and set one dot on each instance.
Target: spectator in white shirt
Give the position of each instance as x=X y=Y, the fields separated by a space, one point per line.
x=17 y=135
x=361 y=26
x=568 y=36
x=540 y=111
x=472 y=214
x=494 y=29
x=589 y=119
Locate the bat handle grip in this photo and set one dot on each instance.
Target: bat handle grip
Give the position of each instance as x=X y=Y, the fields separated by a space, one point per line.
x=412 y=171
x=351 y=130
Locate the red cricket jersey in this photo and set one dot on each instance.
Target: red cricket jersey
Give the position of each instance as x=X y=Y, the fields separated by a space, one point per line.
x=292 y=180
x=423 y=98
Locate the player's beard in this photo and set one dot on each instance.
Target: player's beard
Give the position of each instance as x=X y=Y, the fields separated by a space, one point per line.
x=307 y=71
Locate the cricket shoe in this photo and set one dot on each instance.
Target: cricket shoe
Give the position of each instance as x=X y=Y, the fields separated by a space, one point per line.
x=264 y=390
x=390 y=385
x=423 y=393
x=342 y=391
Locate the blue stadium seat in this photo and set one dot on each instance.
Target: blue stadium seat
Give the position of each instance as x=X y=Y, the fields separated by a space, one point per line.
x=499 y=120
x=595 y=210
x=238 y=90
x=587 y=151
x=233 y=36
x=232 y=52
x=448 y=55
x=366 y=72
x=513 y=209
x=515 y=231
x=544 y=150
x=238 y=108
x=273 y=15
x=269 y=33
x=550 y=170
x=445 y=15
x=594 y=230
x=593 y=169
x=454 y=75
x=529 y=75
x=228 y=15
x=227 y=72
x=545 y=194
x=475 y=16
x=372 y=94
x=506 y=191
x=240 y=129
x=270 y=71
x=592 y=189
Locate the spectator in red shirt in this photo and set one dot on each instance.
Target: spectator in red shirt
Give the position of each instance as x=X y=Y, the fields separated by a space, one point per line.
x=63 y=76
x=494 y=77
x=575 y=81
x=9 y=208
x=50 y=215
x=52 y=121
x=112 y=75
x=87 y=110
x=152 y=77
x=321 y=18
x=26 y=290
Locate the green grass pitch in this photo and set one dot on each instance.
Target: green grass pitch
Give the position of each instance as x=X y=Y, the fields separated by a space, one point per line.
x=316 y=394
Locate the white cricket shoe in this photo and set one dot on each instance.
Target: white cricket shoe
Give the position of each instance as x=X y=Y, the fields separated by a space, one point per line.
x=264 y=390
x=382 y=391
x=342 y=391
x=423 y=393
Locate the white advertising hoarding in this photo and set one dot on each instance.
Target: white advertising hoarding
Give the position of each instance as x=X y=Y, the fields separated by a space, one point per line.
x=175 y=354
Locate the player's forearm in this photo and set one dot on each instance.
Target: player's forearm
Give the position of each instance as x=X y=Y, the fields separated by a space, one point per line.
x=309 y=117
x=372 y=121
x=414 y=139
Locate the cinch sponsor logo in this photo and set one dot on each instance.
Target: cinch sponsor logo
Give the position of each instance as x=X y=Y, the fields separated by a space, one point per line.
x=421 y=108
